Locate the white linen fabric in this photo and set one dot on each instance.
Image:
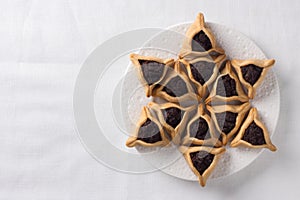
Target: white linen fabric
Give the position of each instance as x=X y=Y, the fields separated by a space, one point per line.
x=42 y=46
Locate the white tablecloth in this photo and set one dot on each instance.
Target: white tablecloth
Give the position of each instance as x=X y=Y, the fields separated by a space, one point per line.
x=42 y=46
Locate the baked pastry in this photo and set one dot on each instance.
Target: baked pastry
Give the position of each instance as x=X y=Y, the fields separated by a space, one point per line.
x=199 y=41
x=176 y=87
x=227 y=87
x=253 y=133
x=252 y=72
x=202 y=72
x=149 y=132
x=151 y=70
x=223 y=65
x=200 y=130
x=172 y=117
x=202 y=160
x=200 y=101
x=228 y=118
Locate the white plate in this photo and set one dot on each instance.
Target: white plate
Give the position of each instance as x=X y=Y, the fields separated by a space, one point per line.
x=108 y=99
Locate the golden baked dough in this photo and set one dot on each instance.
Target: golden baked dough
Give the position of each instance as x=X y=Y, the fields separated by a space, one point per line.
x=253 y=133
x=200 y=101
x=154 y=134
x=200 y=41
x=159 y=75
x=176 y=87
x=252 y=72
x=202 y=72
x=227 y=87
x=228 y=118
x=204 y=132
x=167 y=114
x=198 y=157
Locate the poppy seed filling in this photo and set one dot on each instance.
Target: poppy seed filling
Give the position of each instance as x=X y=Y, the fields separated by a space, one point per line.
x=201 y=160
x=226 y=121
x=149 y=132
x=176 y=87
x=172 y=116
x=254 y=135
x=226 y=86
x=202 y=71
x=199 y=129
x=152 y=71
x=201 y=42
x=251 y=73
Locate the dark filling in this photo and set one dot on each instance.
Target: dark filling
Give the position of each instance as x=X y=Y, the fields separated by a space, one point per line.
x=152 y=71
x=176 y=87
x=226 y=86
x=251 y=73
x=202 y=71
x=172 y=116
x=254 y=135
x=226 y=121
x=201 y=160
x=199 y=129
x=149 y=132
x=201 y=42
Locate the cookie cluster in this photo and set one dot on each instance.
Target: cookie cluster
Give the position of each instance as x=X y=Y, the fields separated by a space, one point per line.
x=201 y=101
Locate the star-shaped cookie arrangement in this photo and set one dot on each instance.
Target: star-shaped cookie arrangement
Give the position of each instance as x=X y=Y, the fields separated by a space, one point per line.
x=204 y=101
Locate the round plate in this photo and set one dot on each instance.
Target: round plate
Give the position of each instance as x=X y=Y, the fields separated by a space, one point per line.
x=108 y=98
x=167 y=44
